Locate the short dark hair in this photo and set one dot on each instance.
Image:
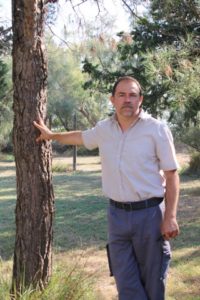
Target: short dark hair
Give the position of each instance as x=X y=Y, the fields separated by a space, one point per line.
x=130 y=78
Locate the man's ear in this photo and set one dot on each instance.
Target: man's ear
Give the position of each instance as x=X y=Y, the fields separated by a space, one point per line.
x=112 y=99
x=141 y=99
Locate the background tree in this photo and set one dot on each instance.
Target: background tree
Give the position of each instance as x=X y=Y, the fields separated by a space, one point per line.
x=177 y=71
x=160 y=46
x=5 y=39
x=5 y=85
x=65 y=92
x=34 y=207
x=5 y=105
x=164 y=57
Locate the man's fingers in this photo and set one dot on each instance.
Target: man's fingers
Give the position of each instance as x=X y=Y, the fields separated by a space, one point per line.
x=37 y=125
x=38 y=139
x=166 y=236
x=169 y=235
x=174 y=233
x=45 y=133
x=40 y=121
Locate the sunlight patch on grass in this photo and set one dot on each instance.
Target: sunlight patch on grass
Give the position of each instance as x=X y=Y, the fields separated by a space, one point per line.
x=184 y=276
x=8 y=190
x=6 y=234
x=60 y=168
x=7 y=198
x=5 y=278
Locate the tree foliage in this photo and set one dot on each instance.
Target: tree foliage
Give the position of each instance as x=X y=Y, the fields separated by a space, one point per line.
x=5 y=40
x=5 y=104
x=5 y=84
x=163 y=55
x=176 y=72
x=66 y=94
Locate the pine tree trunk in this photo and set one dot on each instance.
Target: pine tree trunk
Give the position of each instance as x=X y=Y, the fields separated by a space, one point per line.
x=35 y=199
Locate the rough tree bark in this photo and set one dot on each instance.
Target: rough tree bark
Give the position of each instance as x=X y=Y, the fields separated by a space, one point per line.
x=35 y=200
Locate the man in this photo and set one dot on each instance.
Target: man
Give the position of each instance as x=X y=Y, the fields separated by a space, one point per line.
x=139 y=169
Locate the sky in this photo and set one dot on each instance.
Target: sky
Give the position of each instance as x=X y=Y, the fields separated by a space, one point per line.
x=87 y=11
x=5 y=11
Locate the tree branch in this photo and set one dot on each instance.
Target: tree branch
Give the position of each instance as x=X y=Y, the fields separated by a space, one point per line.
x=86 y=114
x=134 y=15
x=64 y=124
x=82 y=2
x=99 y=10
x=62 y=40
x=77 y=5
x=6 y=30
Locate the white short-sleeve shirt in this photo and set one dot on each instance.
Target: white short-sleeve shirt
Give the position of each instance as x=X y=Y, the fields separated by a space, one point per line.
x=132 y=160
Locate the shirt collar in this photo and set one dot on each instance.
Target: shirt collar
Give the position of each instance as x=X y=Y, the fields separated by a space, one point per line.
x=143 y=115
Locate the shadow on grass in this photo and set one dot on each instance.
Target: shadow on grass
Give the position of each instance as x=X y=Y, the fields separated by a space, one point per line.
x=7 y=168
x=185 y=266
x=189 y=177
x=80 y=218
x=81 y=212
x=80 y=222
x=188 y=214
x=7 y=228
x=187 y=244
x=7 y=208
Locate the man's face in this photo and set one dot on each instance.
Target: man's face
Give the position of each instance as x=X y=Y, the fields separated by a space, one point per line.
x=127 y=99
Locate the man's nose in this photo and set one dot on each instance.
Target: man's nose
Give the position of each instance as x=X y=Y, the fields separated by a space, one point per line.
x=127 y=98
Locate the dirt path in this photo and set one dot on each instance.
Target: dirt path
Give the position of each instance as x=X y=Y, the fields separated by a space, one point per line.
x=105 y=285
x=94 y=262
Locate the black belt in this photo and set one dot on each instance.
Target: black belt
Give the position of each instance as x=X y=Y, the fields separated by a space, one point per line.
x=137 y=205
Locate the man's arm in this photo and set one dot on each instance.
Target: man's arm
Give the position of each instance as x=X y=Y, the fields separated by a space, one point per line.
x=169 y=227
x=69 y=138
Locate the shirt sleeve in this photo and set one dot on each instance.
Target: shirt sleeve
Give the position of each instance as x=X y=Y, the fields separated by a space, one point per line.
x=165 y=149
x=90 y=138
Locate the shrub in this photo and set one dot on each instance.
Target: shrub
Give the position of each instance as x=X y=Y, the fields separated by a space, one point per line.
x=69 y=282
x=191 y=137
x=59 y=167
x=194 y=164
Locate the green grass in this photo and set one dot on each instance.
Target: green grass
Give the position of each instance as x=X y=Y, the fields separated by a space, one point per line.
x=69 y=281
x=184 y=277
x=80 y=222
x=80 y=210
x=60 y=167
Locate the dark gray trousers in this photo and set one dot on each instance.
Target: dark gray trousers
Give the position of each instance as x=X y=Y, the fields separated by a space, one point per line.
x=139 y=255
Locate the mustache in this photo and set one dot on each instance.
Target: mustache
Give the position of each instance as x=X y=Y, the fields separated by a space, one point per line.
x=127 y=106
